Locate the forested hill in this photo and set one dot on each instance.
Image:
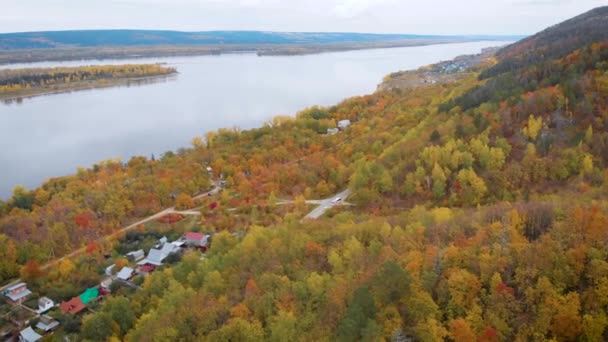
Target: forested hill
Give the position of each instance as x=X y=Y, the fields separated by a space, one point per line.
x=97 y=38
x=554 y=42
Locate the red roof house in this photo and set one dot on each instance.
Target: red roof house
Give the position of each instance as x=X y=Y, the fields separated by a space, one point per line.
x=198 y=240
x=73 y=306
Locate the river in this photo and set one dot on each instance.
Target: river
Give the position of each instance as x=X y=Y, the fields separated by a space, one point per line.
x=52 y=135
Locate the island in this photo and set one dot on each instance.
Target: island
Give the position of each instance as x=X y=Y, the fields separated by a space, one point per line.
x=27 y=82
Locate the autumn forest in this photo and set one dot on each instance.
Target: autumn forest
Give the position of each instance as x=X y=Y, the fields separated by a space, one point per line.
x=478 y=213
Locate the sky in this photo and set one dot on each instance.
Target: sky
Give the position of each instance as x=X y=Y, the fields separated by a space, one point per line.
x=374 y=16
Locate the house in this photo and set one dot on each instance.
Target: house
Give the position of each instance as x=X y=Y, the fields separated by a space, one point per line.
x=45 y=304
x=17 y=293
x=136 y=256
x=156 y=256
x=29 y=335
x=73 y=306
x=332 y=131
x=196 y=240
x=145 y=269
x=47 y=323
x=126 y=273
x=110 y=270
x=106 y=283
x=343 y=124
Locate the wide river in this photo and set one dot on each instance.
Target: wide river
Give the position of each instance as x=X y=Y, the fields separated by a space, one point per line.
x=52 y=135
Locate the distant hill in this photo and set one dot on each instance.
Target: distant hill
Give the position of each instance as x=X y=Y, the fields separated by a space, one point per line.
x=104 y=38
x=554 y=42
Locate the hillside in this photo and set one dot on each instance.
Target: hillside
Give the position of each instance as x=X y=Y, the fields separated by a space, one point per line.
x=105 y=38
x=478 y=213
x=554 y=42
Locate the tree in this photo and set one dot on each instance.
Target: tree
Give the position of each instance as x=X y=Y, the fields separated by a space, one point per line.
x=533 y=128
x=360 y=309
x=184 y=202
x=283 y=327
x=121 y=313
x=439 y=181
x=97 y=327
x=587 y=165
x=22 y=198
x=391 y=283
x=238 y=330
x=472 y=188
x=31 y=271
x=66 y=267
x=435 y=136
x=8 y=258
x=461 y=331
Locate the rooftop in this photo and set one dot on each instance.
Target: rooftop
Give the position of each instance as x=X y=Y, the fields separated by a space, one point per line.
x=29 y=335
x=194 y=236
x=16 y=286
x=125 y=273
x=73 y=306
x=20 y=295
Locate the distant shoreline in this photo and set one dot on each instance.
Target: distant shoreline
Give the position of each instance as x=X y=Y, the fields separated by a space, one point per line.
x=103 y=53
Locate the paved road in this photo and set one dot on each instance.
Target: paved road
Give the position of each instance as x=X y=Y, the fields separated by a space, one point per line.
x=326 y=204
x=216 y=189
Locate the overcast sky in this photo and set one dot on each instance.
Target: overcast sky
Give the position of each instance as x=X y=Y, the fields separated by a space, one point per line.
x=381 y=16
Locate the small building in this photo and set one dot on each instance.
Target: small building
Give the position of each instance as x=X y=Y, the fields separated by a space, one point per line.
x=110 y=270
x=126 y=273
x=106 y=283
x=89 y=294
x=73 y=306
x=45 y=304
x=29 y=335
x=47 y=323
x=332 y=131
x=145 y=269
x=17 y=293
x=196 y=240
x=155 y=257
x=136 y=256
x=343 y=124
x=209 y=170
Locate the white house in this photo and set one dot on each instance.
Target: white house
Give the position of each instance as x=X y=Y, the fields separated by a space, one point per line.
x=47 y=323
x=45 y=304
x=156 y=256
x=136 y=255
x=125 y=273
x=110 y=269
x=343 y=124
x=332 y=131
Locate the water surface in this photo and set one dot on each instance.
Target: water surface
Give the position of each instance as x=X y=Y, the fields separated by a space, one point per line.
x=52 y=135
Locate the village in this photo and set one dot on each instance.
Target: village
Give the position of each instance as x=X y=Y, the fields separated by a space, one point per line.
x=30 y=317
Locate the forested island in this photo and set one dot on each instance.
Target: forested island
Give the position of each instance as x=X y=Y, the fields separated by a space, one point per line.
x=468 y=209
x=20 y=83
